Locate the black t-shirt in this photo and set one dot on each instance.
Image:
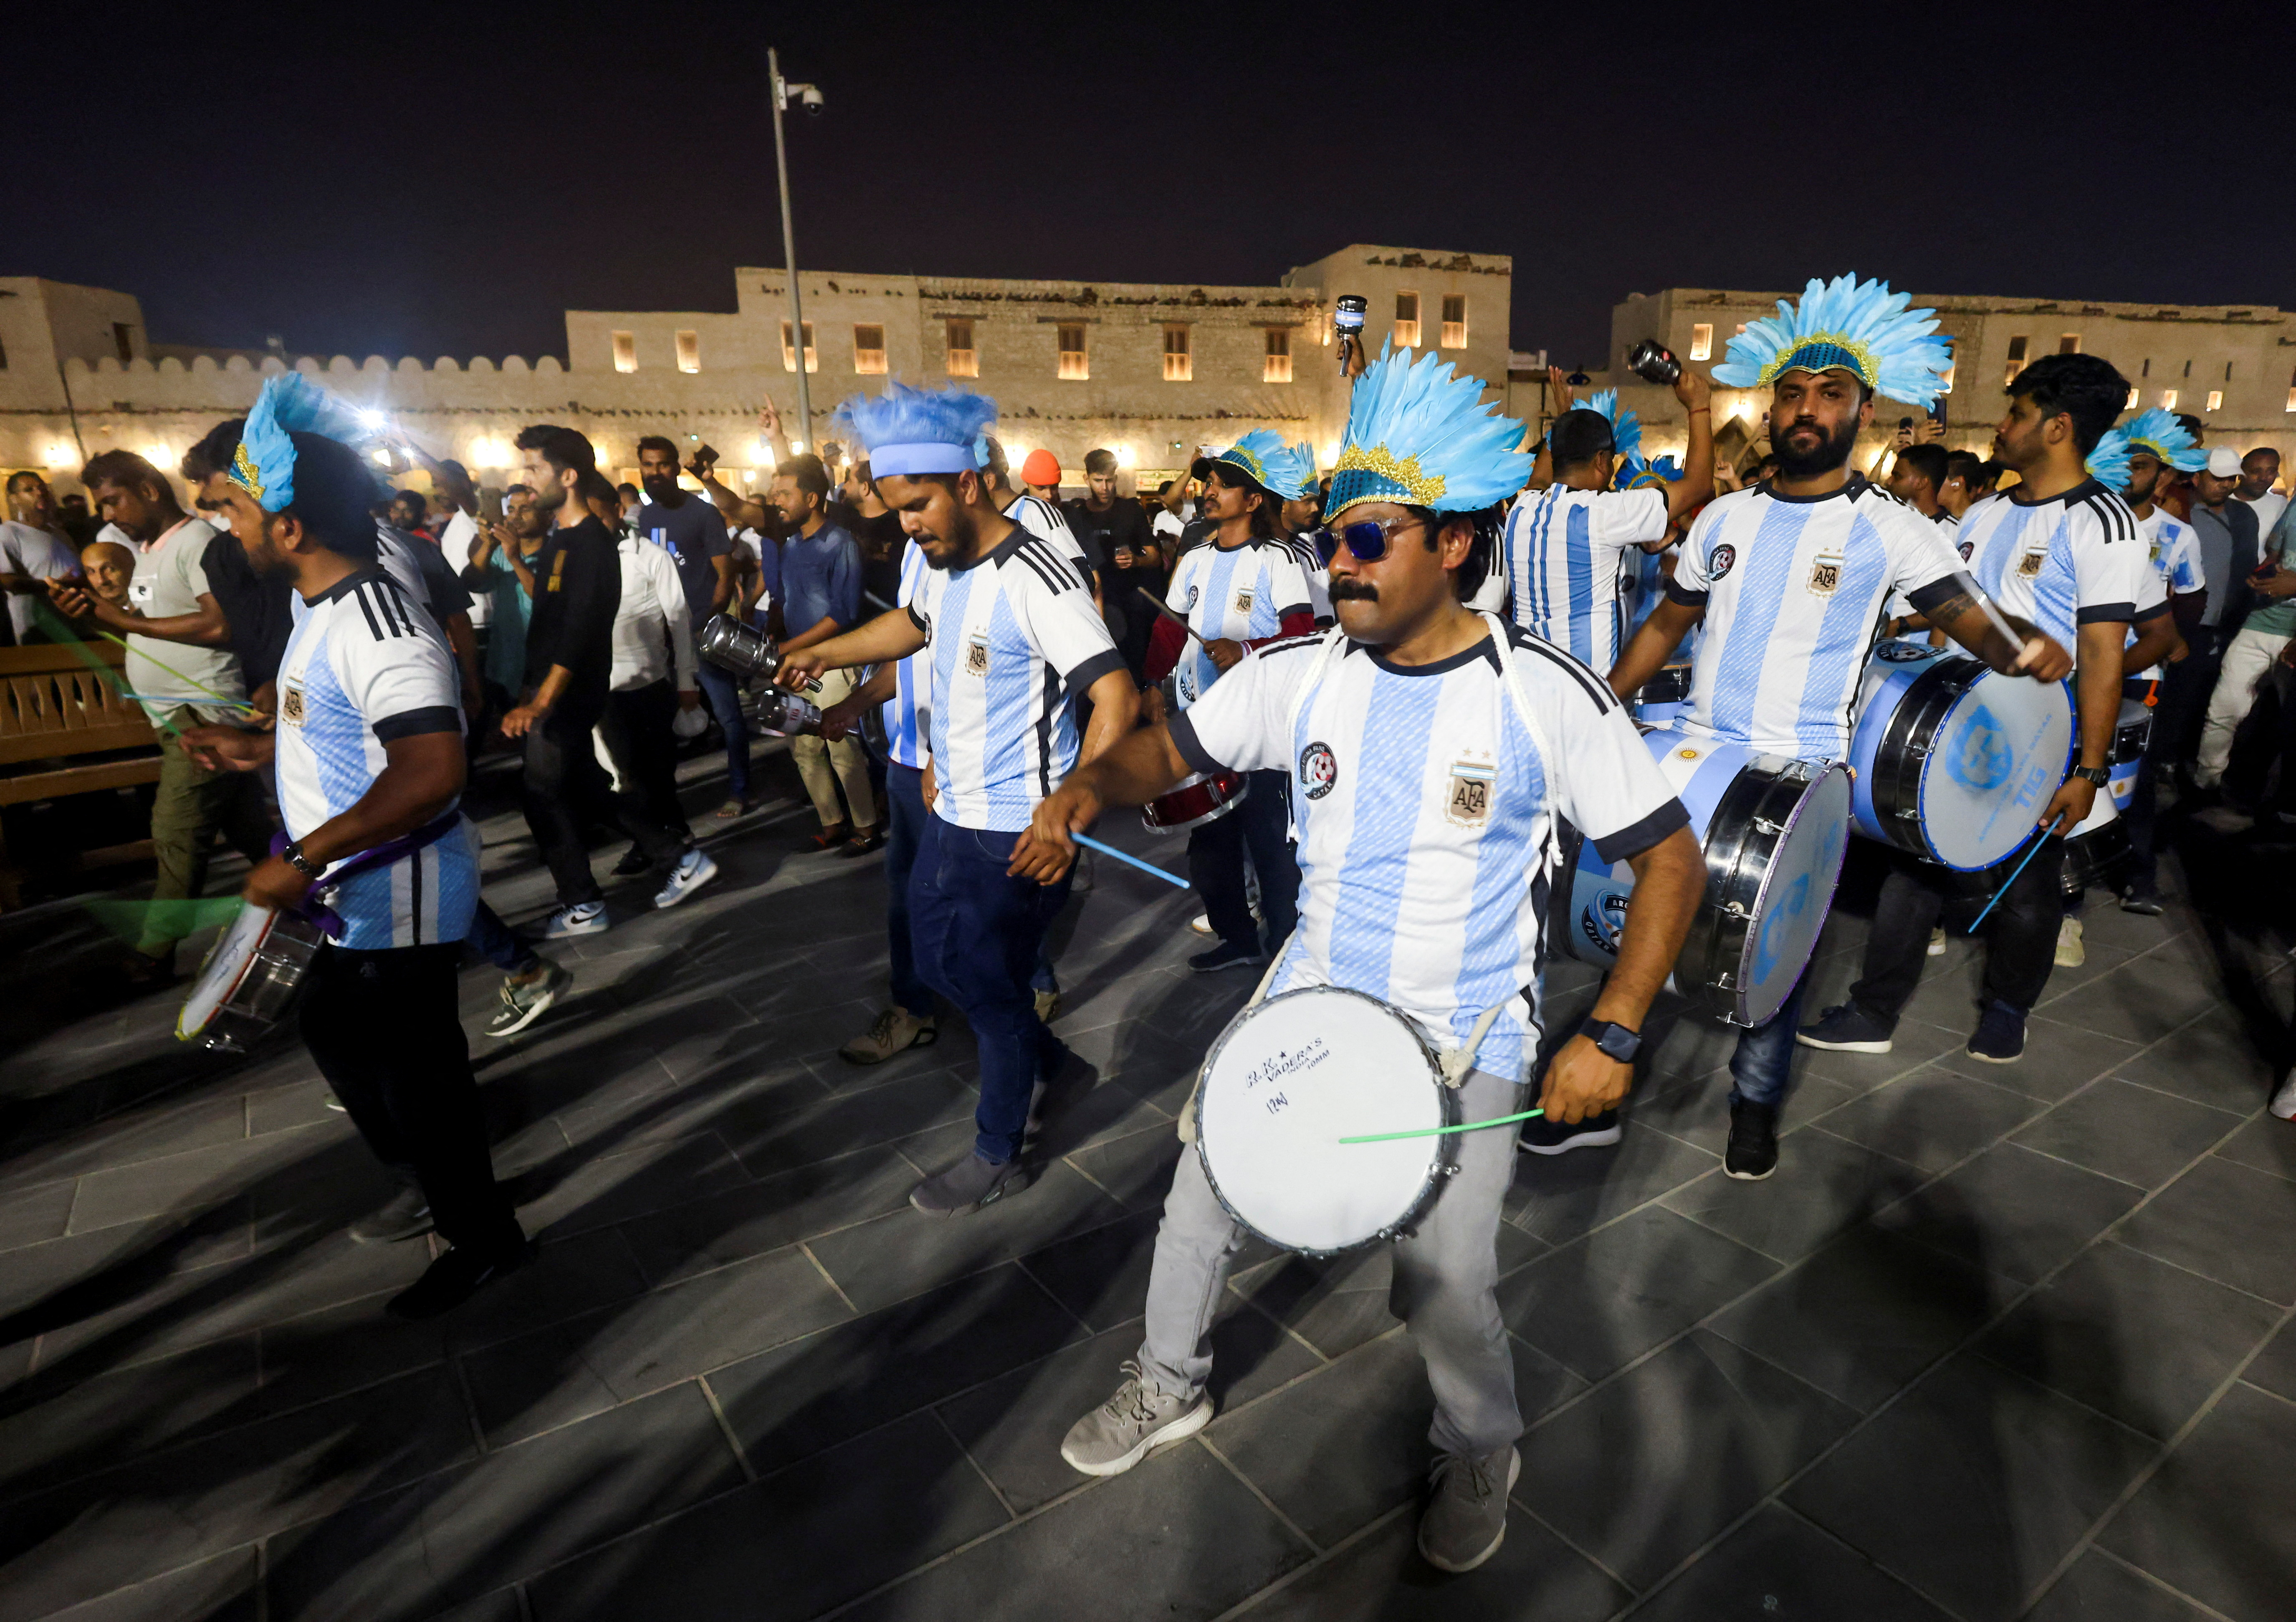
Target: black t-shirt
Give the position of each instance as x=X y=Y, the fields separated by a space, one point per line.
x=881 y=538
x=695 y=535
x=256 y=609
x=1122 y=525
x=577 y=590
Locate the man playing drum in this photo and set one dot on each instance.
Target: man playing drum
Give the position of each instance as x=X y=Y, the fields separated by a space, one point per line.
x=1431 y=750
x=1790 y=579
x=369 y=757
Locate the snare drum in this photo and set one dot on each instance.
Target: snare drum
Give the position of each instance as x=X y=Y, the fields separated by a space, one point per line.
x=1205 y=797
x=249 y=980
x=1954 y=761
x=1774 y=832
x=1659 y=700
x=2130 y=736
x=1285 y=1082
x=743 y=649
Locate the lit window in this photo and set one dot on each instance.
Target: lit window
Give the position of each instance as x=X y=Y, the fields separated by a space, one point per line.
x=964 y=359
x=1455 y=321
x=1407 y=320
x=868 y=349
x=1179 y=365
x=2167 y=399
x=1945 y=378
x=789 y=350
x=1701 y=340
x=2068 y=344
x=1277 y=367
x=688 y=351
x=2216 y=399
x=625 y=352
x=1075 y=362
x=2016 y=359
x=2291 y=398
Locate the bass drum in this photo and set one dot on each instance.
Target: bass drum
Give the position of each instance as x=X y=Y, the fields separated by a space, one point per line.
x=1952 y=760
x=1205 y=797
x=1775 y=831
x=1659 y=700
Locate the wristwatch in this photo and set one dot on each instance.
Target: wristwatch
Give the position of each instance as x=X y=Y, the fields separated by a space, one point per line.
x=1614 y=1039
x=2098 y=775
x=293 y=857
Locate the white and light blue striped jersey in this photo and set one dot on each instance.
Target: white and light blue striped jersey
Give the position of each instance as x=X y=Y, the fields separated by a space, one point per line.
x=1010 y=637
x=1318 y=573
x=2174 y=553
x=1241 y=593
x=1426 y=811
x=363 y=668
x=1566 y=554
x=2076 y=558
x=1039 y=516
x=1793 y=590
x=908 y=714
x=1899 y=607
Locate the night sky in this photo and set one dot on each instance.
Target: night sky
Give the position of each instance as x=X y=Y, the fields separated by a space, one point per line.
x=444 y=181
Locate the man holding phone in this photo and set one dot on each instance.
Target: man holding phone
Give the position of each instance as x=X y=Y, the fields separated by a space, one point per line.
x=1116 y=539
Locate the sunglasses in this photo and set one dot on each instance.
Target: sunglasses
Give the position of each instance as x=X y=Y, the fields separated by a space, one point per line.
x=1366 y=540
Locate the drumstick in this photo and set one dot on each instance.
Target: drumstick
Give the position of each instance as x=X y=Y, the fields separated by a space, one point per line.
x=1130 y=860
x=1436 y=1131
x=1961 y=567
x=2047 y=834
x=1169 y=611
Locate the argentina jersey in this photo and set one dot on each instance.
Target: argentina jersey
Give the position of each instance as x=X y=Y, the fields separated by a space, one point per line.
x=1240 y=593
x=1009 y=638
x=2072 y=560
x=363 y=669
x=1566 y=554
x=1426 y=807
x=908 y=714
x=1043 y=520
x=1794 y=589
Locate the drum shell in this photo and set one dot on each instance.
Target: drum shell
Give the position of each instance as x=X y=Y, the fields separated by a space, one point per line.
x=269 y=989
x=1662 y=699
x=1205 y=797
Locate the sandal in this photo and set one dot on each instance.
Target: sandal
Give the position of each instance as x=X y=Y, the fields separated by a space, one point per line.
x=861 y=844
x=737 y=807
x=831 y=837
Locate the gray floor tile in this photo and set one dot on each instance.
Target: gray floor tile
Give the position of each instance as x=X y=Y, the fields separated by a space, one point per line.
x=2213 y=1522
x=2132 y=1337
x=1972 y=1486
x=2059 y=1059
x=1930 y=1118
x=2266 y=1143
x=2101 y=1589
x=54 y=1428
x=768 y=1135
x=793 y=1544
x=1334 y=1304
x=278 y=1109
x=198 y=1180
x=1652 y=1464
x=2142 y=1001
x=337 y=1350
x=2012 y=1211
x=2274 y=1368
x=1379 y=1578
x=1102 y=1276
x=1912 y=1045
x=1611 y=1298
x=569 y=1278
x=718 y=1229
x=2127 y=1132
x=2209 y=1220
x=1136 y=1168
x=1825 y=1185
x=557 y=1203
x=1864 y=1316
x=29 y=1216
x=161 y=1130
x=218 y=1590
x=1778 y=1567
x=2213 y=1061
x=1557 y=1198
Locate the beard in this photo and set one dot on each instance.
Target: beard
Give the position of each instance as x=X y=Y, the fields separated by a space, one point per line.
x=663 y=490
x=1830 y=453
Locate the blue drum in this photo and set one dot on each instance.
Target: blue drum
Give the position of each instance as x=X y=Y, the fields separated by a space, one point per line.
x=1954 y=761
x=1774 y=832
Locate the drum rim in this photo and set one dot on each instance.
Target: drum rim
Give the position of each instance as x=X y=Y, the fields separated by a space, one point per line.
x=1243 y=790
x=1718 y=935
x=1933 y=690
x=1446 y=1147
x=279 y=925
x=2073 y=750
x=1820 y=773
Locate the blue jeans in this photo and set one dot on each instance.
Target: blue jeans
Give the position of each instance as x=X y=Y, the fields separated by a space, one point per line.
x=724 y=696
x=1762 y=1063
x=976 y=933
x=490 y=939
x=906 y=822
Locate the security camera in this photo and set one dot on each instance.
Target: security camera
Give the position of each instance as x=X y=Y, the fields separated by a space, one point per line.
x=811 y=99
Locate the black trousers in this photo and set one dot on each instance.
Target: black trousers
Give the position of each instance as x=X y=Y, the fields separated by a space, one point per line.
x=567 y=793
x=2184 y=689
x=1263 y=823
x=636 y=728
x=383 y=1029
x=2020 y=935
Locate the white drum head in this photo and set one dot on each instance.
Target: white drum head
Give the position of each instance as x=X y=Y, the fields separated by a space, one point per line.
x=1797 y=894
x=1289 y=1080
x=226 y=965
x=1998 y=754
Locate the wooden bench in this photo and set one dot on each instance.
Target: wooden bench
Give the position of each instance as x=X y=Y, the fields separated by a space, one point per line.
x=55 y=714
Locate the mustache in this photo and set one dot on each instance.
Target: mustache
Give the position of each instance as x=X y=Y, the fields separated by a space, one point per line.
x=1354 y=591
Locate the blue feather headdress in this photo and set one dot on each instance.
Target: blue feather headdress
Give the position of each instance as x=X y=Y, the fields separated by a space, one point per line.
x=1859 y=326
x=1304 y=458
x=1286 y=470
x=1626 y=427
x=2108 y=464
x=911 y=430
x=264 y=464
x=1635 y=474
x=2158 y=432
x=1419 y=435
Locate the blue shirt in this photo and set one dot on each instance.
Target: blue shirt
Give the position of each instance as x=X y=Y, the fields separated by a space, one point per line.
x=821 y=580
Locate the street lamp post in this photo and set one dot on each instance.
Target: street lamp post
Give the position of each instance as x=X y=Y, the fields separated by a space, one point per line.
x=811 y=99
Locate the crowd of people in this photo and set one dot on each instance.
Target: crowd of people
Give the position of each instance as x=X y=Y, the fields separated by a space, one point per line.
x=1394 y=704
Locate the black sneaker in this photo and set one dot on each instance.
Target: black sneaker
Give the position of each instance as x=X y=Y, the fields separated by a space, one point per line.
x=1543 y=1136
x=1848 y=1029
x=1753 y=1151
x=406 y=1216
x=1225 y=956
x=2145 y=901
x=454 y=1278
x=2000 y=1034
x=634 y=861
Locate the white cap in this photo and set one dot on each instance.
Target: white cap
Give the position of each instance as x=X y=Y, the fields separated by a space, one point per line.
x=2224 y=461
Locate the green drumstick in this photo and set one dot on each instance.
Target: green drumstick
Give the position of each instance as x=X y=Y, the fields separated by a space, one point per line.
x=1436 y=1132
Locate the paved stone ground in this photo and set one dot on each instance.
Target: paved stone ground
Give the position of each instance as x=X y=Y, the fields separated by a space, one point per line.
x=1997 y=1342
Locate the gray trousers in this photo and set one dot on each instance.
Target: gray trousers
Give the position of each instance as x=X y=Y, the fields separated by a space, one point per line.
x=1445 y=1288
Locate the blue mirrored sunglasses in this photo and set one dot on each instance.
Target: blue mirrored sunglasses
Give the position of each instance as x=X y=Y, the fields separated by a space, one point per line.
x=1366 y=540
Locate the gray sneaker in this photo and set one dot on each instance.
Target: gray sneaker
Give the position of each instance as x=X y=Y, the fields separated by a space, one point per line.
x=523 y=1005
x=967 y=1186
x=1465 y=1521
x=407 y=1214
x=1132 y=1424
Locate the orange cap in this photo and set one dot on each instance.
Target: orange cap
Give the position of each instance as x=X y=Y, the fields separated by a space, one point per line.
x=1042 y=467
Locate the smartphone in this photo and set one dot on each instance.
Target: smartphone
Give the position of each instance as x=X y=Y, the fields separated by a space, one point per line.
x=1905 y=425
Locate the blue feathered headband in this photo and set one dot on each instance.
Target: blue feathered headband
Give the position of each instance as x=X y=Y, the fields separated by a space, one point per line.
x=1626 y=427
x=264 y=464
x=915 y=431
x=1635 y=474
x=1420 y=436
x=2159 y=433
x=1288 y=471
x=1859 y=326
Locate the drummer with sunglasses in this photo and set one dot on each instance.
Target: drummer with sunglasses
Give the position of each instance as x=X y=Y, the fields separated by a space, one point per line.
x=1431 y=750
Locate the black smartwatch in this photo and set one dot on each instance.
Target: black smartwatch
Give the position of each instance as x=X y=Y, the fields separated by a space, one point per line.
x=1614 y=1039
x=2098 y=775
x=293 y=855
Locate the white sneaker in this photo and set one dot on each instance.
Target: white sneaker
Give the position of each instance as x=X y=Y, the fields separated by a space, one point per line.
x=694 y=869
x=1936 y=943
x=584 y=918
x=1202 y=925
x=2071 y=952
x=2284 y=1102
